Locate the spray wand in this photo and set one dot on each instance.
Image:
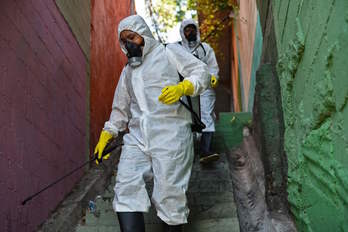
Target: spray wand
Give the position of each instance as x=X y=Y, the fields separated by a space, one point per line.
x=109 y=148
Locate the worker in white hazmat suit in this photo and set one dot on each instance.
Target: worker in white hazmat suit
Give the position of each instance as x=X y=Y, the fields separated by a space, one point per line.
x=159 y=141
x=190 y=36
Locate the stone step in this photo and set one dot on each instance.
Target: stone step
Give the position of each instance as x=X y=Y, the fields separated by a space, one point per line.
x=218 y=211
x=148 y=228
x=222 y=210
x=214 y=225
x=195 y=199
x=217 y=203
x=207 y=225
x=210 y=199
x=204 y=186
x=215 y=210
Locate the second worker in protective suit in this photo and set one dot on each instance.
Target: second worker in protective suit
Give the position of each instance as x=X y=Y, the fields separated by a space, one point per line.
x=159 y=142
x=190 y=36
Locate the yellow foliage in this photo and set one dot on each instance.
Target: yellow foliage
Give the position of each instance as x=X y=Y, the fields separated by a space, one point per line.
x=211 y=13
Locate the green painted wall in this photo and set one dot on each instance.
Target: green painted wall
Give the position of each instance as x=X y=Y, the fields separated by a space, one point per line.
x=312 y=42
x=256 y=62
x=229 y=130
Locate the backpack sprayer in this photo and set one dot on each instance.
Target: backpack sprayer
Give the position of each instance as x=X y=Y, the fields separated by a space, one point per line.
x=197 y=124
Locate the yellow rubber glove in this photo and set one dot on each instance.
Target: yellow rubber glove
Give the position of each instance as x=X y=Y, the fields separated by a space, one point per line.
x=105 y=137
x=213 y=81
x=173 y=93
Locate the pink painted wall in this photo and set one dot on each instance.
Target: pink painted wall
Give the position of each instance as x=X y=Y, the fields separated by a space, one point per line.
x=42 y=110
x=107 y=60
x=246 y=28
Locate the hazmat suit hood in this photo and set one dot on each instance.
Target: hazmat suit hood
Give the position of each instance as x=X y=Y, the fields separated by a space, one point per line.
x=137 y=24
x=185 y=42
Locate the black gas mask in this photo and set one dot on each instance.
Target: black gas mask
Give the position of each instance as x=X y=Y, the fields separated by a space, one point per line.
x=190 y=32
x=192 y=36
x=134 y=53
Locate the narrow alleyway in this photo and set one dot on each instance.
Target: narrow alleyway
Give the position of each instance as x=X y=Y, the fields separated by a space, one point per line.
x=281 y=104
x=210 y=198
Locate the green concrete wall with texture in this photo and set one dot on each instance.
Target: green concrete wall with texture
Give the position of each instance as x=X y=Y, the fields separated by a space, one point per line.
x=312 y=42
x=256 y=62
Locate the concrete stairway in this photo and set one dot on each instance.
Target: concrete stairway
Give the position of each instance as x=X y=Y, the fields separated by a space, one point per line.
x=210 y=201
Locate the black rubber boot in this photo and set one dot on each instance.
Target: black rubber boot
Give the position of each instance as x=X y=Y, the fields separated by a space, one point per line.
x=207 y=155
x=169 y=228
x=206 y=139
x=131 y=221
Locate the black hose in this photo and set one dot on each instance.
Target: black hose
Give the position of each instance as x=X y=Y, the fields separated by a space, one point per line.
x=109 y=148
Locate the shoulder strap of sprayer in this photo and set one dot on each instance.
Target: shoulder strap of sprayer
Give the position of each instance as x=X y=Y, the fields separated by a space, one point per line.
x=200 y=44
x=197 y=124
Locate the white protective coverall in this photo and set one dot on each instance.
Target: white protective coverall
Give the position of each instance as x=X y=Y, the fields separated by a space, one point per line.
x=159 y=142
x=207 y=55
